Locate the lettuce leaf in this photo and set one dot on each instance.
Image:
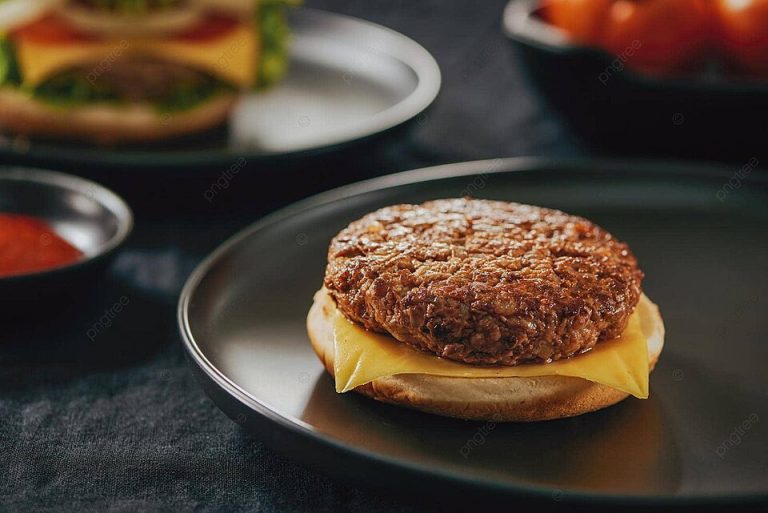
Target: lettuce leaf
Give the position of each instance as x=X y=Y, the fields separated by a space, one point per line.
x=275 y=41
x=9 y=69
x=73 y=88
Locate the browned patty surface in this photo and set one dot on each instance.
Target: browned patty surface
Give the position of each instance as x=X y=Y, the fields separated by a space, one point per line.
x=141 y=79
x=484 y=282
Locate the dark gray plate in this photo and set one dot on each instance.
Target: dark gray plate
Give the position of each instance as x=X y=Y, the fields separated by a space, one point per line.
x=349 y=80
x=701 y=435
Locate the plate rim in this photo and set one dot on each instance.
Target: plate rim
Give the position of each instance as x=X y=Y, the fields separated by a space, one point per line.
x=420 y=60
x=522 y=165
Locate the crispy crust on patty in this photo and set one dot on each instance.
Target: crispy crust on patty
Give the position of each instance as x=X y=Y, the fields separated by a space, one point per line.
x=484 y=282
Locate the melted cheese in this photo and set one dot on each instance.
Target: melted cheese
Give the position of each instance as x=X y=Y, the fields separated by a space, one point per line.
x=231 y=58
x=362 y=356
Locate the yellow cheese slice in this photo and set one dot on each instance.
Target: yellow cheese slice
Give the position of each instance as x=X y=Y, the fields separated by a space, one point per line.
x=231 y=57
x=362 y=356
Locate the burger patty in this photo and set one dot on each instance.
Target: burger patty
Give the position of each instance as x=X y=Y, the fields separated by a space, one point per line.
x=136 y=79
x=131 y=6
x=166 y=85
x=484 y=282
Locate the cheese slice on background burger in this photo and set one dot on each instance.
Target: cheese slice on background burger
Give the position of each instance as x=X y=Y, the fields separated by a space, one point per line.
x=116 y=71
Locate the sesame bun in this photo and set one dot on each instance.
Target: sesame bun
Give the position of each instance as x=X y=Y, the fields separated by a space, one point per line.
x=21 y=114
x=486 y=399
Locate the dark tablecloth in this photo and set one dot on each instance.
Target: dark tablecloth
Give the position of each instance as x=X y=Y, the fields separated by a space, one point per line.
x=96 y=418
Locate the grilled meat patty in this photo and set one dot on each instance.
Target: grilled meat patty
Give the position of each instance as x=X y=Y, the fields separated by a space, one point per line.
x=484 y=282
x=137 y=79
x=131 y=6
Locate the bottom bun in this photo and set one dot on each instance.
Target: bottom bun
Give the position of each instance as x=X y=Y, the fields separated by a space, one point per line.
x=486 y=399
x=21 y=114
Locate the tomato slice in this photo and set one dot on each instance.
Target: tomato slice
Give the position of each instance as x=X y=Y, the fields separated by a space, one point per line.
x=53 y=30
x=213 y=28
x=49 y=29
x=581 y=19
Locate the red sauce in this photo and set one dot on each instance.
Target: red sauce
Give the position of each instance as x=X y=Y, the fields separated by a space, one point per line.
x=29 y=245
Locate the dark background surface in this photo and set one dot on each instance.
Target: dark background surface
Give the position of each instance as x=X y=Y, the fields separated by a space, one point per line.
x=115 y=421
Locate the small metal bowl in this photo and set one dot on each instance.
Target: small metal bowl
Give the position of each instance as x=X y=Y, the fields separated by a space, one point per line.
x=88 y=216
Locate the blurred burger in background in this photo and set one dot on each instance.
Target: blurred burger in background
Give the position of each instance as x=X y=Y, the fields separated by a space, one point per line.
x=119 y=71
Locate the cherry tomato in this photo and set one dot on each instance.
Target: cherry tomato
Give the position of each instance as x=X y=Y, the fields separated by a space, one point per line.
x=650 y=35
x=667 y=34
x=744 y=30
x=581 y=19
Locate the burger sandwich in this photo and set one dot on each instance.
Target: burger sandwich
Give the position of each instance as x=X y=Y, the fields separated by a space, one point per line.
x=114 y=71
x=485 y=310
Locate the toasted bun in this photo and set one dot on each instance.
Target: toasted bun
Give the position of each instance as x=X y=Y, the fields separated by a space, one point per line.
x=21 y=114
x=486 y=399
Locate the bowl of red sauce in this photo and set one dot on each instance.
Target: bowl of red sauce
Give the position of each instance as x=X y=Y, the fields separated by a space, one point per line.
x=57 y=233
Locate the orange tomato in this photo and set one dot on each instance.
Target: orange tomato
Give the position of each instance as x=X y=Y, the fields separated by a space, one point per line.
x=667 y=34
x=581 y=19
x=744 y=30
x=651 y=35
